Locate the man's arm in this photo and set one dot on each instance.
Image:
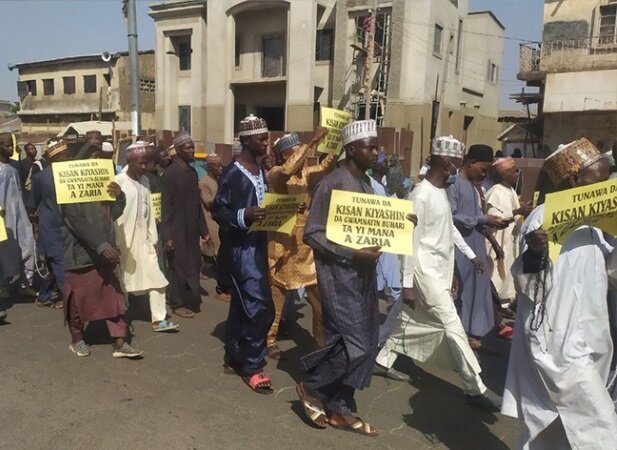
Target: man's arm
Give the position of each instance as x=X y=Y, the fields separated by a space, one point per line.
x=78 y=217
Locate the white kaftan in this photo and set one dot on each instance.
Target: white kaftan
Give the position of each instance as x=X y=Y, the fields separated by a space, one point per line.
x=502 y=201
x=559 y=369
x=433 y=332
x=136 y=236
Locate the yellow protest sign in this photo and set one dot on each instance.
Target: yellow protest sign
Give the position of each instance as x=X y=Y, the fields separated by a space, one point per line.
x=156 y=206
x=3 y=235
x=281 y=213
x=595 y=205
x=84 y=180
x=334 y=120
x=363 y=220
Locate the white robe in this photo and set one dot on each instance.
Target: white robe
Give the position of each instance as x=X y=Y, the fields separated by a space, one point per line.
x=136 y=237
x=560 y=370
x=502 y=201
x=433 y=332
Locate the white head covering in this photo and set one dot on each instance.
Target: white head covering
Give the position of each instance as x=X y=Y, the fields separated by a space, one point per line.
x=107 y=147
x=252 y=125
x=447 y=146
x=357 y=130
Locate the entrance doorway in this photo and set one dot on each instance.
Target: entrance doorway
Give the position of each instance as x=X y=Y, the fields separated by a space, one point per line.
x=273 y=115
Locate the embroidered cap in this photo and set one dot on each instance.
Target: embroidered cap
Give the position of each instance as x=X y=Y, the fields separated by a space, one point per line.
x=501 y=165
x=287 y=141
x=54 y=148
x=252 y=125
x=448 y=146
x=137 y=149
x=357 y=130
x=181 y=139
x=571 y=159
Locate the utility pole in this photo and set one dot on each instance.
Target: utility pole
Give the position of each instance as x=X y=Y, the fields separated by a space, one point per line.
x=368 y=66
x=133 y=64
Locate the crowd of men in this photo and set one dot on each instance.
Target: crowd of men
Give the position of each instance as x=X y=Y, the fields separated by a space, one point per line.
x=479 y=255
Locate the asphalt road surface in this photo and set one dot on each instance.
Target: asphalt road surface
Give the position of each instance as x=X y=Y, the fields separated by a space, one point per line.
x=177 y=396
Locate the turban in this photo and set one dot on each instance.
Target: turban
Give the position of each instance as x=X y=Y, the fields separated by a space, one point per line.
x=571 y=159
x=252 y=125
x=447 y=146
x=357 y=130
x=480 y=153
x=286 y=142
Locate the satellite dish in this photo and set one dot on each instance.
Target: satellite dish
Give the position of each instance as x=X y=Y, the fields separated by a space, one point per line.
x=106 y=56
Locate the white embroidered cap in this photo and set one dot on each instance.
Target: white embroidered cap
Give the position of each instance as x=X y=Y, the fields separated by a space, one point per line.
x=357 y=130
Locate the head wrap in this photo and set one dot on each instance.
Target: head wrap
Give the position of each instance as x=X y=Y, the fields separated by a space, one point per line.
x=285 y=142
x=571 y=159
x=447 y=146
x=94 y=134
x=502 y=165
x=136 y=150
x=357 y=130
x=54 y=148
x=252 y=125
x=107 y=147
x=480 y=153
x=236 y=148
x=181 y=139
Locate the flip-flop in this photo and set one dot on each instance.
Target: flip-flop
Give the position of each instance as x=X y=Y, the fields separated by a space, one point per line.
x=313 y=410
x=259 y=383
x=359 y=427
x=164 y=325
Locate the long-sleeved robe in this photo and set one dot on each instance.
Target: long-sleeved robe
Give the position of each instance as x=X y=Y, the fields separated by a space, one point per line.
x=245 y=257
x=474 y=294
x=502 y=201
x=183 y=222
x=207 y=189
x=560 y=361
x=433 y=332
x=348 y=294
x=137 y=237
x=16 y=253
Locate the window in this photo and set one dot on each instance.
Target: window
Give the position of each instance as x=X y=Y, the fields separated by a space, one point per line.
x=459 y=40
x=608 y=14
x=273 y=49
x=147 y=85
x=184 y=118
x=48 y=86
x=184 y=55
x=492 y=72
x=237 y=50
x=69 y=85
x=89 y=84
x=30 y=87
x=325 y=41
x=437 y=39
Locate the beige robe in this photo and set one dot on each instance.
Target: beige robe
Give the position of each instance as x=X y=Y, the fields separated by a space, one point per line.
x=502 y=201
x=207 y=188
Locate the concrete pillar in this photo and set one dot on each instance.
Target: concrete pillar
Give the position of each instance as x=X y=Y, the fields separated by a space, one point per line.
x=300 y=94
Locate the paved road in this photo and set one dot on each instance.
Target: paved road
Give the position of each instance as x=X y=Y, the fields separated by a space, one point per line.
x=177 y=397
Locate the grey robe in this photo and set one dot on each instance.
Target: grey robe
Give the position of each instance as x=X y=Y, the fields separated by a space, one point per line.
x=474 y=290
x=18 y=250
x=348 y=293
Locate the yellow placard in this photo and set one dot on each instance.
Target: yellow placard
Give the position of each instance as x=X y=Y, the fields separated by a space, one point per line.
x=536 y=196
x=3 y=235
x=363 y=220
x=334 y=120
x=83 y=180
x=594 y=205
x=156 y=206
x=281 y=213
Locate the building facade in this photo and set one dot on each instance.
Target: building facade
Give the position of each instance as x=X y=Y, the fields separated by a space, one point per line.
x=576 y=69
x=435 y=68
x=56 y=92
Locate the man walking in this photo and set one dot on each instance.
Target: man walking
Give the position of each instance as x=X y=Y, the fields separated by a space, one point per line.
x=137 y=238
x=182 y=225
x=348 y=288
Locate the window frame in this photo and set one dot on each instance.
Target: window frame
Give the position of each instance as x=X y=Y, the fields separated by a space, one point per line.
x=64 y=85
x=319 y=36
x=90 y=77
x=608 y=39
x=49 y=87
x=180 y=118
x=264 y=38
x=187 y=57
x=438 y=28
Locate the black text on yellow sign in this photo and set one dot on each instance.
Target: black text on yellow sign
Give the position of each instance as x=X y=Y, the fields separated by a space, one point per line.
x=83 y=181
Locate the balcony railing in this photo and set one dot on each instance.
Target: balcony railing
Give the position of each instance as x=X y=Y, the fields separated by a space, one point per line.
x=530 y=58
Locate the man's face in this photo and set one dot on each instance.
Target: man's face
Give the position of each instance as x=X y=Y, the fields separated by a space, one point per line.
x=96 y=140
x=30 y=151
x=215 y=168
x=257 y=144
x=477 y=171
x=6 y=146
x=137 y=165
x=186 y=152
x=510 y=176
x=364 y=153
